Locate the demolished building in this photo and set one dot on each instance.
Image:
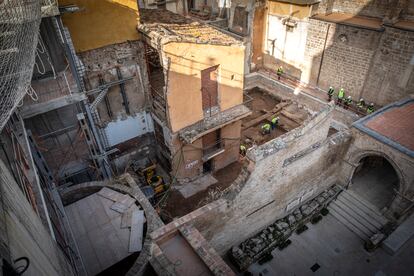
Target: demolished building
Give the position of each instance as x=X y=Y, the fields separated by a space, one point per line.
x=121 y=125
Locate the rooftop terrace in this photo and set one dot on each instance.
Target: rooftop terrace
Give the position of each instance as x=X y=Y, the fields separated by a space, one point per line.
x=157 y=23
x=392 y=125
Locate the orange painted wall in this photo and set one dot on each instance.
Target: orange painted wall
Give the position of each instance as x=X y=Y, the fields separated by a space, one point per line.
x=259 y=29
x=101 y=22
x=184 y=82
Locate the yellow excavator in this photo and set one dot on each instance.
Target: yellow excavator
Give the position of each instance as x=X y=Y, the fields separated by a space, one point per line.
x=155 y=181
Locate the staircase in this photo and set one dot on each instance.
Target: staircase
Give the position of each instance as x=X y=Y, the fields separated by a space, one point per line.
x=357 y=214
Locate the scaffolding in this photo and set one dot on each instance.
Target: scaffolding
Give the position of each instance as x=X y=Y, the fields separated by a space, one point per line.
x=19 y=27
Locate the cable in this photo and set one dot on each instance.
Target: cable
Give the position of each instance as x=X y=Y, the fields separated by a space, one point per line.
x=32 y=93
x=41 y=49
x=25 y=266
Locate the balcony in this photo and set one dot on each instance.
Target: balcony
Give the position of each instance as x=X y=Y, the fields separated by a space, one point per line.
x=208 y=124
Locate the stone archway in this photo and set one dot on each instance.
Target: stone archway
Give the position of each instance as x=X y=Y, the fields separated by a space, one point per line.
x=376 y=180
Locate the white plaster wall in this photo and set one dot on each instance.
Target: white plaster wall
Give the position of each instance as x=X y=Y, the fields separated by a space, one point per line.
x=289 y=46
x=122 y=130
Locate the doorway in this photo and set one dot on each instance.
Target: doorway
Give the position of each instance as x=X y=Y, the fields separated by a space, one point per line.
x=207 y=166
x=375 y=180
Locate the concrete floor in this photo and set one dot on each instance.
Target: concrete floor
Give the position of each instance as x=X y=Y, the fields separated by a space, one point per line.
x=337 y=251
x=376 y=185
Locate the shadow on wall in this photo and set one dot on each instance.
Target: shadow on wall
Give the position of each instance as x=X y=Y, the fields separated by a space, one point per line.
x=101 y=22
x=366 y=54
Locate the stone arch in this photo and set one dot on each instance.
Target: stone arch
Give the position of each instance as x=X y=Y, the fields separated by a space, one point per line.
x=387 y=196
x=356 y=159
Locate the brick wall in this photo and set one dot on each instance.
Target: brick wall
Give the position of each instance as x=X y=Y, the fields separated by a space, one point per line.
x=391 y=76
x=347 y=58
x=370 y=8
x=371 y=64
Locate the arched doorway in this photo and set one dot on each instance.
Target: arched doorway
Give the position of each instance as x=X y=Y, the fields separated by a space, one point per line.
x=375 y=180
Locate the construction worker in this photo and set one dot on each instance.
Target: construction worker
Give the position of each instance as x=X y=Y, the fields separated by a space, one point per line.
x=370 y=108
x=341 y=95
x=279 y=72
x=266 y=129
x=275 y=121
x=361 y=103
x=243 y=150
x=348 y=102
x=331 y=91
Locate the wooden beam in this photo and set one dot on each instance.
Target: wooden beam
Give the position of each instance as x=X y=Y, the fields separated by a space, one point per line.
x=275 y=111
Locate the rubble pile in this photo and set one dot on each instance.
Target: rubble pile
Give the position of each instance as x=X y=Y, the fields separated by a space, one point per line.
x=276 y=234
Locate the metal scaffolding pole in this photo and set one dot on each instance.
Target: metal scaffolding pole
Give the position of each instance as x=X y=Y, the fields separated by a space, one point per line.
x=106 y=170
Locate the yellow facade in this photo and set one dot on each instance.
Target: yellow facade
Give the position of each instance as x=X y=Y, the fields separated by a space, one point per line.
x=296 y=11
x=101 y=22
x=184 y=79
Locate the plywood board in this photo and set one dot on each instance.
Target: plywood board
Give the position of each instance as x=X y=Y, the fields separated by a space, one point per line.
x=97 y=231
x=137 y=231
x=122 y=205
x=110 y=194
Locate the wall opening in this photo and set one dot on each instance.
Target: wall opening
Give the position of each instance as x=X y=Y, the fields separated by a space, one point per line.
x=375 y=180
x=209 y=88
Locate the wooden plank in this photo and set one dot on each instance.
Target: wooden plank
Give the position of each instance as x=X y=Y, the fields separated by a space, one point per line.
x=137 y=228
x=119 y=207
x=110 y=194
x=123 y=205
x=127 y=217
x=273 y=112
x=107 y=203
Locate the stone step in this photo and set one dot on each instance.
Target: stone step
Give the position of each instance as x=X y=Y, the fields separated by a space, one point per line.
x=364 y=220
x=351 y=221
x=360 y=212
x=367 y=207
x=345 y=222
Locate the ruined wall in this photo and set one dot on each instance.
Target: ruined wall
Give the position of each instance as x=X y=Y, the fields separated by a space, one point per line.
x=186 y=60
x=101 y=22
x=121 y=121
x=287 y=171
x=24 y=234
